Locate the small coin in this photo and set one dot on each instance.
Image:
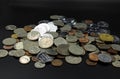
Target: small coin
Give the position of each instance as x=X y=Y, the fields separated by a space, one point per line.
x=54 y=34
x=56 y=16
x=24 y=59
x=116 y=47
x=7 y=47
x=35 y=59
x=63 y=49
x=33 y=35
x=57 y=62
x=90 y=47
x=116 y=63
x=91 y=39
x=3 y=53
x=51 y=52
x=105 y=58
x=72 y=32
x=27 y=28
x=79 y=34
x=93 y=56
x=60 y=56
x=60 y=40
x=11 y=52
x=34 y=49
x=81 y=26
x=112 y=51
x=65 y=28
x=14 y=36
x=20 y=32
x=19 y=53
x=102 y=24
x=117 y=57
x=19 y=45
x=39 y=64
x=103 y=46
x=83 y=40
x=73 y=59
x=76 y=50
x=71 y=38
x=10 y=27
x=58 y=22
x=9 y=41
x=91 y=63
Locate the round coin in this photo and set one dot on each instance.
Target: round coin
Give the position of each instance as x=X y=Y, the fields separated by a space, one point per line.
x=57 y=62
x=71 y=38
x=7 y=47
x=59 y=41
x=3 y=53
x=116 y=63
x=93 y=56
x=90 y=47
x=10 y=27
x=51 y=52
x=19 y=45
x=116 y=47
x=14 y=36
x=33 y=35
x=24 y=59
x=9 y=41
x=91 y=63
x=38 y=64
x=81 y=26
x=27 y=28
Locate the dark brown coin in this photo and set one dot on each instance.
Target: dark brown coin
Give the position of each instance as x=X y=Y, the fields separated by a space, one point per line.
x=112 y=51
x=57 y=62
x=91 y=63
x=93 y=56
x=7 y=47
x=60 y=56
x=27 y=53
x=33 y=58
x=27 y=28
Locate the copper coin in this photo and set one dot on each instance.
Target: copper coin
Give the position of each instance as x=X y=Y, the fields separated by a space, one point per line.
x=33 y=58
x=83 y=40
x=93 y=56
x=27 y=53
x=60 y=56
x=57 y=62
x=7 y=47
x=27 y=28
x=112 y=51
x=91 y=63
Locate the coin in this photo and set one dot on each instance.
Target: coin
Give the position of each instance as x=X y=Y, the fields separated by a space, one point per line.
x=34 y=50
x=71 y=38
x=14 y=36
x=39 y=64
x=116 y=39
x=54 y=34
x=33 y=35
x=72 y=32
x=79 y=34
x=83 y=40
x=65 y=28
x=57 y=62
x=91 y=63
x=24 y=59
x=112 y=51
x=90 y=47
x=27 y=28
x=60 y=56
x=19 y=45
x=59 y=41
x=56 y=16
x=35 y=59
x=9 y=41
x=10 y=27
x=81 y=26
x=7 y=47
x=58 y=22
x=19 y=53
x=20 y=32
x=116 y=63
x=116 y=47
x=88 y=21
x=93 y=56
x=102 y=24
x=3 y=53
x=103 y=46
x=51 y=52
x=117 y=57
x=105 y=58
x=73 y=59
x=76 y=50
x=11 y=52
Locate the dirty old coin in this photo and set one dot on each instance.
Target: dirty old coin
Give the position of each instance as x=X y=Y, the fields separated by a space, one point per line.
x=43 y=21
x=11 y=52
x=56 y=16
x=90 y=47
x=93 y=56
x=117 y=57
x=14 y=36
x=59 y=41
x=20 y=32
x=105 y=58
x=116 y=47
x=91 y=63
x=58 y=22
x=71 y=38
x=79 y=34
x=112 y=51
x=24 y=59
x=62 y=49
x=54 y=34
x=57 y=62
x=76 y=50
x=33 y=35
x=10 y=27
x=91 y=39
x=60 y=56
x=65 y=28
x=51 y=52
x=39 y=64
x=19 y=53
x=103 y=46
x=27 y=28
x=116 y=63
x=3 y=53
x=34 y=59
x=33 y=49
x=63 y=34
x=73 y=59
x=7 y=47
x=9 y=41
x=81 y=26
x=19 y=45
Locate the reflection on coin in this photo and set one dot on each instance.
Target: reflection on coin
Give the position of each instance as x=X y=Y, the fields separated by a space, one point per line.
x=63 y=49
x=19 y=45
x=71 y=38
x=59 y=41
x=57 y=62
x=24 y=59
x=116 y=63
x=51 y=52
x=93 y=56
x=38 y=64
x=33 y=35
x=34 y=50
x=10 y=27
x=116 y=47
x=91 y=63
x=76 y=50
x=7 y=47
x=73 y=59
x=90 y=47
x=106 y=58
x=3 y=53
x=9 y=41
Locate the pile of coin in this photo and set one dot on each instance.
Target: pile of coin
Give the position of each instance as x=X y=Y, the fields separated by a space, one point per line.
x=61 y=38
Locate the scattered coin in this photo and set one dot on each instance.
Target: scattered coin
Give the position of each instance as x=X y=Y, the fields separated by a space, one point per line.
x=54 y=34
x=117 y=57
x=116 y=63
x=34 y=50
x=24 y=59
x=103 y=46
x=33 y=35
x=115 y=47
x=10 y=27
x=20 y=32
x=90 y=47
x=57 y=62
x=71 y=38
x=3 y=53
x=19 y=45
x=93 y=56
x=39 y=64
x=59 y=41
x=11 y=52
x=58 y=22
x=9 y=41
x=35 y=59
x=14 y=36
x=81 y=26
x=56 y=17
x=112 y=51
x=7 y=47
x=51 y=52
x=27 y=28
x=91 y=63
x=19 y=53
x=65 y=28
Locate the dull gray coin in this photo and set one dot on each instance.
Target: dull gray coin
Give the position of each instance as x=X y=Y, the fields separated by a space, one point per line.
x=90 y=47
x=54 y=34
x=20 y=32
x=116 y=63
x=58 y=22
x=71 y=38
x=115 y=47
x=34 y=50
x=66 y=28
x=10 y=27
x=59 y=41
x=9 y=41
x=3 y=53
x=19 y=45
x=81 y=26
x=33 y=35
x=56 y=16
x=19 y=53
x=51 y=52
x=12 y=52
x=39 y=64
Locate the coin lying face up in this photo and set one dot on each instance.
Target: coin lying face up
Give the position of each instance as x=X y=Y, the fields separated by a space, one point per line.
x=33 y=35
x=3 y=53
x=24 y=59
x=10 y=27
x=39 y=64
x=9 y=41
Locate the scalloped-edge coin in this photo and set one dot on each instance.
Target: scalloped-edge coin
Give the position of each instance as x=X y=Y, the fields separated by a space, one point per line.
x=73 y=59
x=10 y=27
x=39 y=64
x=90 y=47
x=3 y=53
x=9 y=41
x=24 y=59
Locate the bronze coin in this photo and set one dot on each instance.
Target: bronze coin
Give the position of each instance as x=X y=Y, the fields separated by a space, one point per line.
x=60 y=56
x=17 y=40
x=27 y=53
x=91 y=63
x=57 y=62
x=27 y=28
x=33 y=58
x=112 y=51
x=7 y=47
x=83 y=40
x=93 y=56
x=14 y=36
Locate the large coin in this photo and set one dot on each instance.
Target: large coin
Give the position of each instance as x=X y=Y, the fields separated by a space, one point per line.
x=71 y=38
x=19 y=53
x=10 y=27
x=33 y=35
x=90 y=47
x=9 y=41
x=116 y=63
x=59 y=41
x=39 y=64
x=76 y=50
x=57 y=62
x=116 y=47
x=73 y=59
x=24 y=59
x=3 y=53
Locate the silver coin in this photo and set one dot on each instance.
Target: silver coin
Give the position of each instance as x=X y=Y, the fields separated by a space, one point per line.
x=91 y=39
x=20 y=32
x=71 y=38
x=10 y=27
x=3 y=53
x=58 y=22
x=76 y=50
x=33 y=35
x=56 y=16
x=115 y=47
x=106 y=58
x=12 y=52
x=19 y=45
x=51 y=52
x=81 y=26
x=19 y=53
x=90 y=47
x=9 y=41
x=34 y=49
x=73 y=59
x=39 y=64
x=65 y=28
x=24 y=59
x=59 y=41
x=54 y=34
x=79 y=34
x=117 y=57
x=116 y=63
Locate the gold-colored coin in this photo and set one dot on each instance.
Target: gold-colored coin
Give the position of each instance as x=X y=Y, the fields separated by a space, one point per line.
x=14 y=36
x=57 y=62
x=27 y=28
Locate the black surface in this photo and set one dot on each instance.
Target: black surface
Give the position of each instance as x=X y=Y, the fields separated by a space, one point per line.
x=21 y=12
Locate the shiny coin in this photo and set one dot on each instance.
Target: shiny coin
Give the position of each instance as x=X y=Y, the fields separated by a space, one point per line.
x=91 y=63
x=105 y=58
x=90 y=47
x=81 y=26
x=33 y=35
x=59 y=41
x=7 y=47
x=65 y=28
x=76 y=50
x=56 y=17
x=51 y=52
x=14 y=36
x=10 y=27
x=3 y=53
x=54 y=34
x=93 y=56
x=24 y=59
x=116 y=63
x=73 y=59
x=58 y=22
x=34 y=49
x=63 y=34
x=71 y=38
x=27 y=28
x=19 y=45
x=57 y=62
x=63 y=49
x=115 y=47
x=9 y=41
x=39 y=64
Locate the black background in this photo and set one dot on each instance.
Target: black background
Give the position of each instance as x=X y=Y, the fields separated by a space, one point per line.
x=23 y=12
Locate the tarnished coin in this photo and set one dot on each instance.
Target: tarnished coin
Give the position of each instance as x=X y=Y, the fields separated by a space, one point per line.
x=33 y=35
x=51 y=52
x=91 y=63
x=116 y=39
x=65 y=28
x=39 y=64
x=10 y=27
x=93 y=56
x=91 y=39
x=56 y=16
x=19 y=45
x=35 y=59
x=117 y=57
x=103 y=46
x=14 y=36
x=105 y=58
x=79 y=34
x=20 y=32
x=27 y=28
x=34 y=50
x=90 y=47
x=59 y=41
x=58 y=22
x=112 y=51
x=9 y=41
x=115 y=47
x=61 y=56
x=81 y=26
x=24 y=59
x=73 y=59
x=11 y=52
x=71 y=38
x=57 y=62
x=76 y=50
x=19 y=53
x=3 y=53
x=116 y=63
x=7 y=47
x=54 y=34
